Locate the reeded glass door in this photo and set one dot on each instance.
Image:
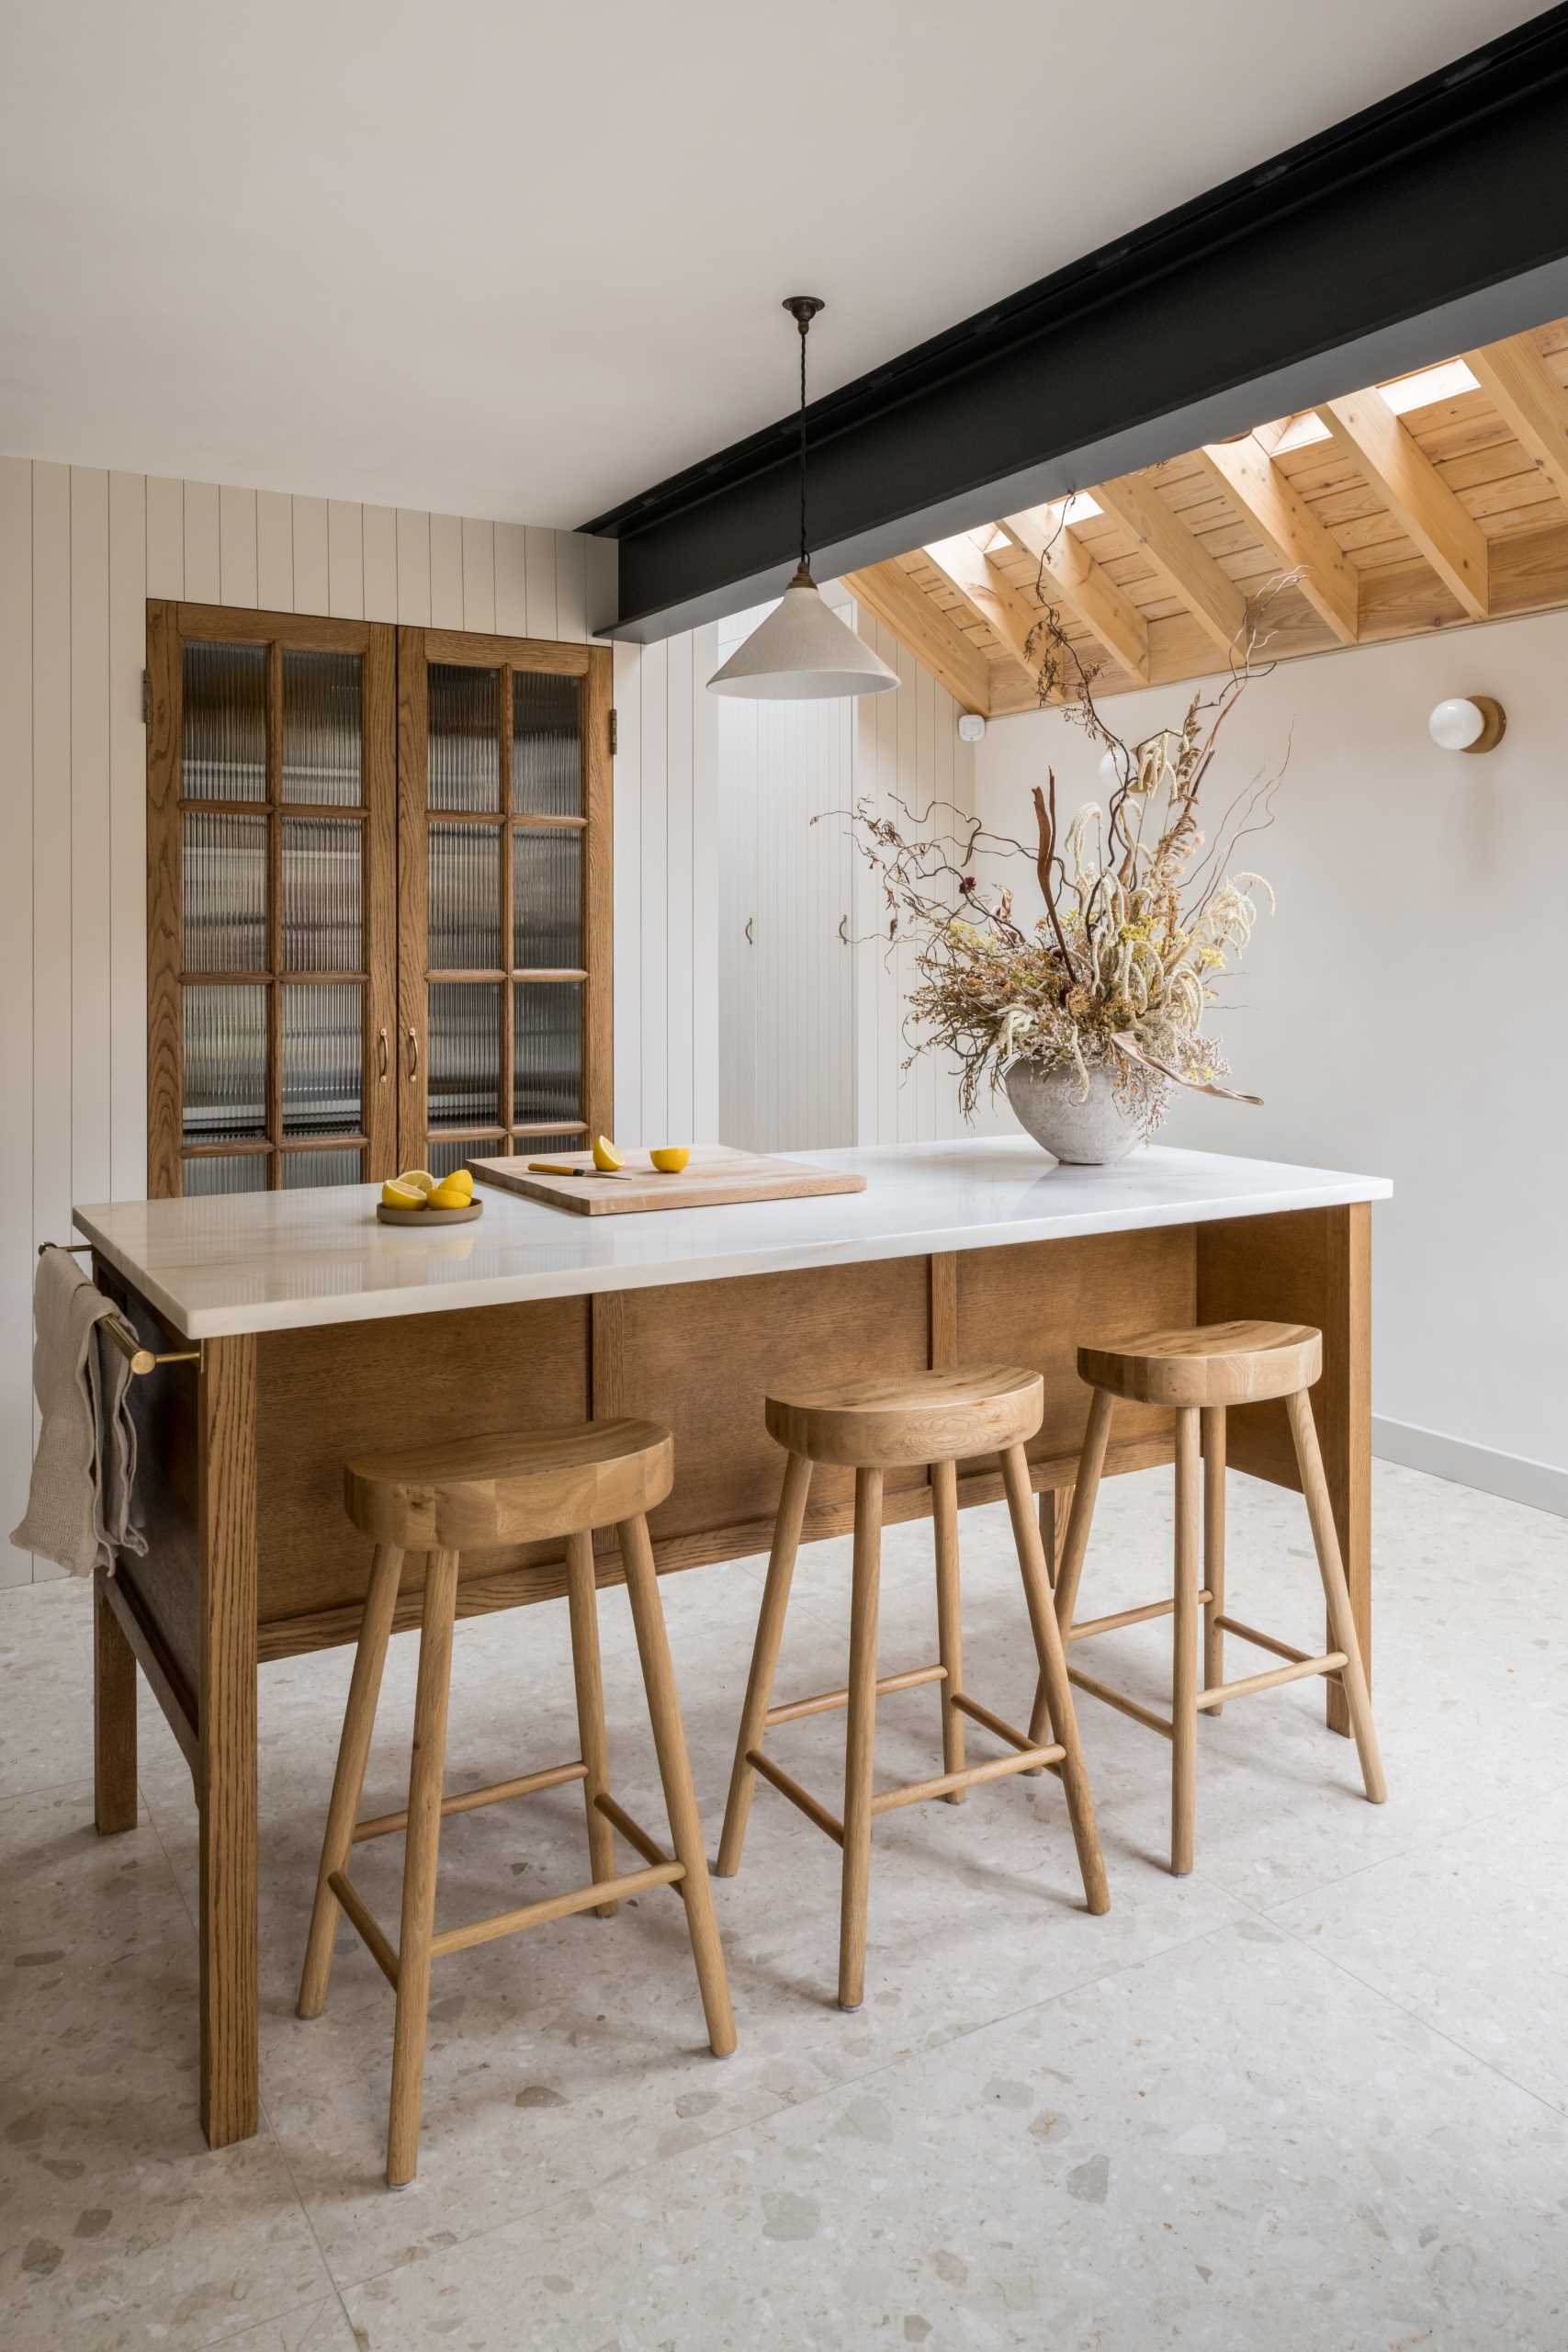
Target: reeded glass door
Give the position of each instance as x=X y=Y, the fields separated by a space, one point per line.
x=503 y=890
x=271 y=820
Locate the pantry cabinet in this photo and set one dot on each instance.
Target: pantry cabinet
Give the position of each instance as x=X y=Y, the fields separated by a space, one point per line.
x=379 y=914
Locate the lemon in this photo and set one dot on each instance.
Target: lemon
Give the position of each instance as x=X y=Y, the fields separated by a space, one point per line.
x=461 y=1177
x=671 y=1157
x=449 y=1196
x=420 y=1178
x=605 y=1156
x=402 y=1195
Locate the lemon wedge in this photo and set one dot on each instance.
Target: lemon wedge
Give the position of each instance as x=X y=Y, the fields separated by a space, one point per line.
x=671 y=1157
x=605 y=1156
x=402 y=1195
x=450 y=1196
x=420 y=1178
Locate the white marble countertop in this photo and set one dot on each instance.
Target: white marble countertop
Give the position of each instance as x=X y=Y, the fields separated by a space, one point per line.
x=275 y=1261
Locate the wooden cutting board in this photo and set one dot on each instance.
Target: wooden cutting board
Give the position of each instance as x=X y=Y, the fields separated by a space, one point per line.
x=713 y=1176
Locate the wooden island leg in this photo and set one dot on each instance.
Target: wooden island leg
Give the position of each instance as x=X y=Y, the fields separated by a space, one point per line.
x=114 y=1718
x=226 y=1785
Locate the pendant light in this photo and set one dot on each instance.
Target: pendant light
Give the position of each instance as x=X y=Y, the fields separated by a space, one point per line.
x=803 y=652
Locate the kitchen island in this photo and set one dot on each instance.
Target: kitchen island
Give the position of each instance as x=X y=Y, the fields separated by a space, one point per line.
x=308 y=1332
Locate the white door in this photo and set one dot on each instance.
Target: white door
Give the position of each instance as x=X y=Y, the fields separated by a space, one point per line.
x=786 y=1013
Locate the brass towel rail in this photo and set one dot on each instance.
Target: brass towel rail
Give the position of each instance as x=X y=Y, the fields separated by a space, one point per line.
x=141 y=1359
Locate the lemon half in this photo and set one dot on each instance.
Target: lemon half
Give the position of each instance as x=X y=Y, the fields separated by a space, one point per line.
x=671 y=1157
x=420 y=1178
x=402 y=1195
x=605 y=1156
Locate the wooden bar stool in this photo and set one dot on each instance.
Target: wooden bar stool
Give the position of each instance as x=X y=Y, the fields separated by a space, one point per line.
x=936 y=1418
x=1200 y=1372
x=510 y=1489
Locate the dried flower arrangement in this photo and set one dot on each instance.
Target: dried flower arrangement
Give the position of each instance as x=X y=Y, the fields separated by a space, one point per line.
x=1118 y=971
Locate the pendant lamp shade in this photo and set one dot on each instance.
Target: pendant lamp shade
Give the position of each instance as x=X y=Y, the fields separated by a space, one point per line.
x=802 y=652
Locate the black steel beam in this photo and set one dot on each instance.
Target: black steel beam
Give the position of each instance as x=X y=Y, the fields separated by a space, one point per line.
x=1433 y=219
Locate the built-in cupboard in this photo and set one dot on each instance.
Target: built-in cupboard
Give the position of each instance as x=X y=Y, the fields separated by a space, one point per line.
x=379 y=898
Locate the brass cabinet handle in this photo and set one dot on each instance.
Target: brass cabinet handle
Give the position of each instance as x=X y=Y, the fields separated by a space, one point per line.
x=413 y=1055
x=381 y=1043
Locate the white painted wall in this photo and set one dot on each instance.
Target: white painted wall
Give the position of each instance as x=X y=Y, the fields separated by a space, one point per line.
x=812 y=1042
x=81 y=550
x=1406 y=1011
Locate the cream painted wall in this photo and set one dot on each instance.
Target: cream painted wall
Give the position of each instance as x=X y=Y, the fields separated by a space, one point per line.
x=1406 y=1011
x=81 y=550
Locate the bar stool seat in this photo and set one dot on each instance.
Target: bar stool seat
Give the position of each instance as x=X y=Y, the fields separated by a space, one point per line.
x=884 y=1424
x=1200 y=1372
x=1218 y=1363
x=874 y=1425
x=512 y=1487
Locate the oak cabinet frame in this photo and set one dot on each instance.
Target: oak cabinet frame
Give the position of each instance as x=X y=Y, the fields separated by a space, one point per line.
x=394 y=817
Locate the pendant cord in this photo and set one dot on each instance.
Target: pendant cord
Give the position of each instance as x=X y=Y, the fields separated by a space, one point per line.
x=803 y=328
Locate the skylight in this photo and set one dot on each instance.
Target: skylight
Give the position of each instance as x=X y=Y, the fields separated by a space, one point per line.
x=1444 y=382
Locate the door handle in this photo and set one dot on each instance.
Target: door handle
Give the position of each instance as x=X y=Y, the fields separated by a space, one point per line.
x=844 y=929
x=385 y=1058
x=413 y=1055
x=750 y=935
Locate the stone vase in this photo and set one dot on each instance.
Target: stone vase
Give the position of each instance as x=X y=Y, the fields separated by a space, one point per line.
x=1087 y=1131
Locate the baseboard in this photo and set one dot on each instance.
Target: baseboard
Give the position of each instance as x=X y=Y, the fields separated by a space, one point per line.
x=1519 y=1480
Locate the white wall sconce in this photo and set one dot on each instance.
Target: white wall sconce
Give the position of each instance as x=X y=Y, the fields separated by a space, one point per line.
x=1468 y=723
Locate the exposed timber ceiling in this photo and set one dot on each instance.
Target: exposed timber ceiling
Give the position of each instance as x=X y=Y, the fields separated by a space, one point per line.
x=1426 y=502
x=1433 y=219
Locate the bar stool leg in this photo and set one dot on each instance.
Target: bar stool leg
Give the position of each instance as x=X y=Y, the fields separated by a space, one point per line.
x=675 y=1772
x=1341 y=1617
x=1213 y=1428
x=1075 y=1543
x=592 y=1742
x=425 y=1775
x=1184 y=1657
x=1054 y=1698
x=764 y=1659
x=354 y=1749
x=860 y=1744
x=949 y=1617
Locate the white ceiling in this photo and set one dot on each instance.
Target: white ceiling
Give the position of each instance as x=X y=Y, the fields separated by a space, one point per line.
x=499 y=258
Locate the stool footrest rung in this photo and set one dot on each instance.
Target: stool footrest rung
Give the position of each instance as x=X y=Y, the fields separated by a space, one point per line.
x=470 y=1800
x=359 y=1918
x=826 y=1701
x=994 y=1724
x=999 y=1767
x=632 y=1831
x=555 y=1906
x=1118 y=1700
x=1223 y=1692
x=789 y=1787
x=1262 y=1640
x=1086 y=1627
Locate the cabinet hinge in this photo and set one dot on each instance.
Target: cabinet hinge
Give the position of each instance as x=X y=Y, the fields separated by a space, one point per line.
x=146 y=699
x=614 y=734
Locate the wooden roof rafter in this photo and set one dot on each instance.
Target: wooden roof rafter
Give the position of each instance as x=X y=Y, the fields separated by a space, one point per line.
x=1429 y=501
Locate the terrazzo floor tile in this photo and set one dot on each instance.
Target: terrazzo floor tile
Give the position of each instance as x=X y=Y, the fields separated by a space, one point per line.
x=119 y=2228
x=1468 y=1934
x=1232 y=2146
x=590 y=2177
x=322 y=2327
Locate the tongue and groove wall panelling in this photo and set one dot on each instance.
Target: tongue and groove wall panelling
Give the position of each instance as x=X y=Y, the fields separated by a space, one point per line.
x=80 y=553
